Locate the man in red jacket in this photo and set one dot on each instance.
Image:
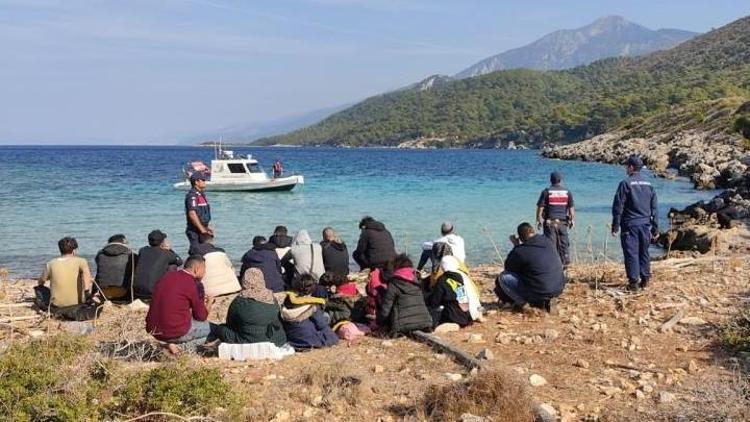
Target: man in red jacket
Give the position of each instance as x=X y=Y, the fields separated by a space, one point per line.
x=178 y=314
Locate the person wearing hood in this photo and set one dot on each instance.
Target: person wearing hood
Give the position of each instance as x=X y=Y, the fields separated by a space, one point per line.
x=403 y=307
x=375 y=247
x=307 y=256
x=335 y=254
x=254 y=315
x=115 y=267
x=263 y=256
x=454 y=297
x=153 y=261
x=533 y=271
x=220 y=278
x=302 y=315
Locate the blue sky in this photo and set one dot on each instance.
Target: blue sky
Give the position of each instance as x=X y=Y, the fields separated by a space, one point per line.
x=152 y=71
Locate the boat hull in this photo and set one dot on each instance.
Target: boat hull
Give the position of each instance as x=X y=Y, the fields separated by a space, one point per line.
x=271 y=185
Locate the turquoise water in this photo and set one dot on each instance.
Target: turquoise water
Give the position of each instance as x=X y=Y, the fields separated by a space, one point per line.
x=93 y=192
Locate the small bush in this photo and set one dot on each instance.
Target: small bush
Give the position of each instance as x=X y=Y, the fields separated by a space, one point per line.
x=179 y=389
x=499 y=395
x=742 y=126
x=736 y=334
x=333 y=386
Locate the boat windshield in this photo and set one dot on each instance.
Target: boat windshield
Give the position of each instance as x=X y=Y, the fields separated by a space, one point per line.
x=254 y=168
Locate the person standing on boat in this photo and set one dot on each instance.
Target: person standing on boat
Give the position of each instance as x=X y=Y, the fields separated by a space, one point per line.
x=555 y=213
x=197 y=210
x=635 y=214
x=277 y=169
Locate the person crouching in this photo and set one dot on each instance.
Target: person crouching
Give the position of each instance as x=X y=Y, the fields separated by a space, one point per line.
x=302 y=315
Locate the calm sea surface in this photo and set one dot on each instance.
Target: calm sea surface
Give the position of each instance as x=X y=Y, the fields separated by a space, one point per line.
x=94 y=192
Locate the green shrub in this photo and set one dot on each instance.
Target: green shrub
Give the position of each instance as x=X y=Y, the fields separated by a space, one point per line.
x=736 y=334
x=742 y=126
x=176 y=388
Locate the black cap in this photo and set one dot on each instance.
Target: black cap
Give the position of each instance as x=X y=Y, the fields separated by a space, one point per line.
x=156 y=237
x=197 y=175
x=634 y=161
x=555 y=177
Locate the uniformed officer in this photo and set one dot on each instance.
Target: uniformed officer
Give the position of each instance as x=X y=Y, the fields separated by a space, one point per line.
x=555 y=212
x=197 y=210
x=635 y=214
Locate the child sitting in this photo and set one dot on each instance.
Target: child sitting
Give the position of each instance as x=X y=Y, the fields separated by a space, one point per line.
x=344 y=304
x=304 y=322
x=403 y=308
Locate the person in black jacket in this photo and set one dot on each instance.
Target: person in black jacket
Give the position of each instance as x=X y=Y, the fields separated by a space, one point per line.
x=403 y=308
x=280 y=238
x=115 y=267
x=335 y=254
x=263 y=256
x=375 y=247
x=533 y=271
x=153 y=261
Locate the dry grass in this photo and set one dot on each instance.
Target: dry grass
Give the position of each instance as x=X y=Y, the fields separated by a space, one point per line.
x=331 y=385
x=496 y=395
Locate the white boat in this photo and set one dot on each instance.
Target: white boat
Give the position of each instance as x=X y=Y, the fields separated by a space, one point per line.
x=237 y=174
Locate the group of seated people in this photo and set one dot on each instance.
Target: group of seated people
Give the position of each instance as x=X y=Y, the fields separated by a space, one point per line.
x=295 y=291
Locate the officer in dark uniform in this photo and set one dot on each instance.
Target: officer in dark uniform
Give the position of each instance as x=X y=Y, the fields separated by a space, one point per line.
x=197 y=210
x=635 y=214
x=555 y=212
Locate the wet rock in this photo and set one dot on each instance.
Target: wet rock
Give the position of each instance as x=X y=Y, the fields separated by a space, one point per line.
x=537 y=380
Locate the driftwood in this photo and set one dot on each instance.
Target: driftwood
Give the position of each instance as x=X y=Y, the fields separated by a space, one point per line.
x=439 y=344
x=672 y=321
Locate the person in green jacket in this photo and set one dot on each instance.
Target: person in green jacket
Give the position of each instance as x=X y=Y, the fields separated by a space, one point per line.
x=254 y=315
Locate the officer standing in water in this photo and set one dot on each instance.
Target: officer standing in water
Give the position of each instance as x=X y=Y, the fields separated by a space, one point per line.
x=197 y=210
x=555 y=212
x=635 y=213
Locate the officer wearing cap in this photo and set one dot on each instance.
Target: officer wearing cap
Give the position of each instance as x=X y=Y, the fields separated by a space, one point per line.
x=635 y=215
x=555 y=212
x=197 y=210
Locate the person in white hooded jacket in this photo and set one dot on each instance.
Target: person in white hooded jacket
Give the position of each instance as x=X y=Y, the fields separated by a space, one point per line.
x=307 y=256
x=449 y=237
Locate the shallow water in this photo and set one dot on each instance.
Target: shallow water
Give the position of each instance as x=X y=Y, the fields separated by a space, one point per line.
x=94 y=192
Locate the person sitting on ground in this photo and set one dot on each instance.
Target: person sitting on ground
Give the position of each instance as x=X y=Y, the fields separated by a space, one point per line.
x=344 y=302
x=153 y=261
x=302 y=315
x=205 y=245
x=454 y=297
x=533 y=271
x=335 y=254
x=263 y=256
x=220 y=278
x=254 y=315
x=307 y=256
x=281 y=240
x=177 y=313
x=403 y=307
x=115 y=268
x=70 y=293
x=375 y=246
x=449 y=237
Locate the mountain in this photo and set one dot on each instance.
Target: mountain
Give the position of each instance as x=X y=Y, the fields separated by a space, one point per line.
x=610 y=36
x=248 y=133
x=534 y=107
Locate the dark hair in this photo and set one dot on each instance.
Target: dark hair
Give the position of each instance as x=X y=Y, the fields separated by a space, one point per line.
x=117 y=238
x=330 y=278
x=67 y=245
x=525 y=231
x=280 y=231
x=192 y=261
x=365 y=220
x=304 y=284
x=555 y=177
x=400 y=261
x=205 y=237
x=258 y=241
x=156 y=237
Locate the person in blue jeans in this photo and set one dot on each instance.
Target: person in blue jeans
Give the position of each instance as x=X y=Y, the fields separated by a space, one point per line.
x=533 y=272
x=636 y=217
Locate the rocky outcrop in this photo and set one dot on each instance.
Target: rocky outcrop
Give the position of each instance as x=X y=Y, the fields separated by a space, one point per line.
x=710 y=160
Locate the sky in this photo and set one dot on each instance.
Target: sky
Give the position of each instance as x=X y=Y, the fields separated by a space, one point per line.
x=157 y=71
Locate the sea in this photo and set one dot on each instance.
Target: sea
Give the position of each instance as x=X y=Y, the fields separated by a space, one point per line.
x=92 y=192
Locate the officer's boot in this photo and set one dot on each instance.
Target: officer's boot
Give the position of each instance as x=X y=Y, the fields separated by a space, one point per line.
x=644 y=282
x=633 y=286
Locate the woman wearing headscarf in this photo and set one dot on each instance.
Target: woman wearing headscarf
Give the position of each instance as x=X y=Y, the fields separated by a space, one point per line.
x=254 y=315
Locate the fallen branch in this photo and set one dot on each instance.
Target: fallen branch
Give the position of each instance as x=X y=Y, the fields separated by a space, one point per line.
x=630 y=367
x=672 y=321
x=439 y=344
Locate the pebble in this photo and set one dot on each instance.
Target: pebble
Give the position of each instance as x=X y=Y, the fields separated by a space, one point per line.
x=666 y=397
x=537 y=380
x=270 y=377
x=692 y=366
x=639 y=395
x=582 y=363
x=551 y=334
x=453 y=377
x=282 y=416
x=503 y=339
x=388 y=343
x=545 y=412
x=378 y=369
x=308 y=413
x=486 y=354
x=448 y=327
x=36 y=333
x=475 y=338
x=468 y=417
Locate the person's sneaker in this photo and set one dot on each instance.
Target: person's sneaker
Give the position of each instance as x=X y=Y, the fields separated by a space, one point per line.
x=633 y=287
x=644 y=283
